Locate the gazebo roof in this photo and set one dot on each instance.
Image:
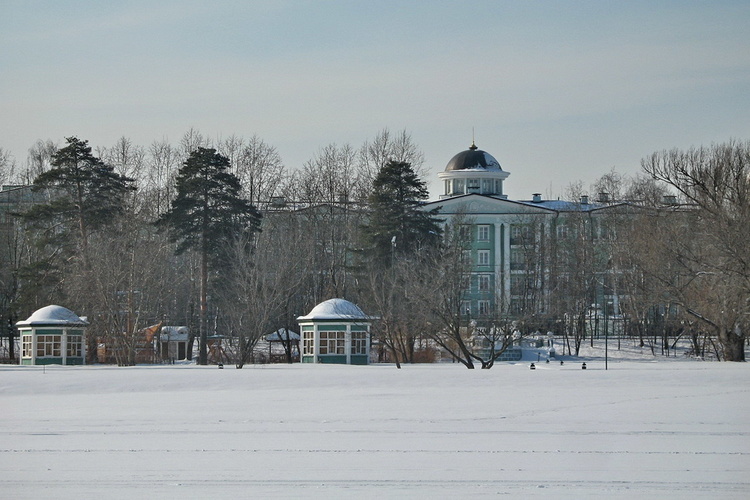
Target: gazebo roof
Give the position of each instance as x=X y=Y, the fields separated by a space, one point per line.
x=335 y=309
x=282 y=334
x=53 y=316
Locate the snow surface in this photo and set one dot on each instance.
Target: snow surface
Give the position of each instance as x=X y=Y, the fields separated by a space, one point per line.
x=671 y=428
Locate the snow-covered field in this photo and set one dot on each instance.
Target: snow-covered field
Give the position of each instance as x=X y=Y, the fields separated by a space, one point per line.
x=672 y=428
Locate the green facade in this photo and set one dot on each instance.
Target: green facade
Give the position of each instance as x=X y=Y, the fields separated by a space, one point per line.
x=64 y=333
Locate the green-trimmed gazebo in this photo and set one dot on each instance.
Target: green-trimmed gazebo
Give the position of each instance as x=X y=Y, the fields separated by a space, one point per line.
x=53 y=335
x=335 y=331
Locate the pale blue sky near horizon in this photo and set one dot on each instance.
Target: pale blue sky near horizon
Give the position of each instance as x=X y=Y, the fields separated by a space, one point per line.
x=557 y=91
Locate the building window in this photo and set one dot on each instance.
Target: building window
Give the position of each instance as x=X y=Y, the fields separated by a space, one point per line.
x=48 y=346
x=308 y=343
x=75 y=345
x=516 y=306
x=522 y=285
x=487 y=186
x=458 y=186
x=472 y=184
x=484 y=307
x=517 y=285
x=517 y=259
x=483 y=257
x=466 y=307
x=484 y=282
x=332 y=343
x=562 y=232
x=483 y=233
x=520 y=234
x=466 y=282
x=359 y=342
x=27 y=341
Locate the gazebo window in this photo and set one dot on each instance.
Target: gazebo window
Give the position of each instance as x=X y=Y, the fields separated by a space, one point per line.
x=27 y=342
x=48 y=345
x=359 y=343
x=332 y=342
x=74 y=346
x=308 y=344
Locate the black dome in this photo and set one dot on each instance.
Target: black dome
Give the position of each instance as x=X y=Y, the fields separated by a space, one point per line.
x=473 y=159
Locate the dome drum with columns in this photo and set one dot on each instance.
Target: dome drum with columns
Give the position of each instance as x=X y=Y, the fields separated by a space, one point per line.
x=473 y=172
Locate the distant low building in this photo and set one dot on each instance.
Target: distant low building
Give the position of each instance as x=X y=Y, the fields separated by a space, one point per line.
x=173 y=343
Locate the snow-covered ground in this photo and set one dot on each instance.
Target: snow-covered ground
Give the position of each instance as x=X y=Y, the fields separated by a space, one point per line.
x=647 y=427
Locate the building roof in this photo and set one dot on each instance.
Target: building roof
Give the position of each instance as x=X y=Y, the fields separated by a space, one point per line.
x=174 y=333
x=282 y=334
x=564 y=206
x=53 y=316
x=335 y=309
x=473 y=159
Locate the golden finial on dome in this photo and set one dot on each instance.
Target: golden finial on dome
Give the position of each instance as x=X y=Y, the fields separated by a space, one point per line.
x=473 y=146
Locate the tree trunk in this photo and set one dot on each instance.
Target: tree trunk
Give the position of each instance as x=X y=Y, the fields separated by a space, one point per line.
x=202 y=343
x=732 y=346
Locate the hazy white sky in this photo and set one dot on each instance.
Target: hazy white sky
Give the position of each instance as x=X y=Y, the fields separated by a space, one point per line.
x=557 y=91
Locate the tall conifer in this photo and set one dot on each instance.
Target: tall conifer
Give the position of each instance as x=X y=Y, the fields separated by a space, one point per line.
x=206 y=214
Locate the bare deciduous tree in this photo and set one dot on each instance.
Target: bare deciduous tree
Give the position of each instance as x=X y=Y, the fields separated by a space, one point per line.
x=385 y=147
x=715 y=181
x=269 y=269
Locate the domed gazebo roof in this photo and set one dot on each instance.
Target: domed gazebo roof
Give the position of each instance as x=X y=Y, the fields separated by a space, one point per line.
x=473 y=159
x=335 y=309
x=53 y=316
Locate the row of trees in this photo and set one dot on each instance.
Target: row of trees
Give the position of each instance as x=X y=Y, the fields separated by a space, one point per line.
x=125 y=235
x=225 y=240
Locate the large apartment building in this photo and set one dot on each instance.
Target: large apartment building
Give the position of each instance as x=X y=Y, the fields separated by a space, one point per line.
x=521 y=251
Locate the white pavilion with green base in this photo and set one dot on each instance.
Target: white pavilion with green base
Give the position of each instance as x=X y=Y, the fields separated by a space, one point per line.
x=335 y=331
x=52 y=335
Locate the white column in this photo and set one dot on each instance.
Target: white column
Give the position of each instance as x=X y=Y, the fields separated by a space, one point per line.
x=64 y=346
x=506 y=264
x=33 y=346
x=348 y=344
x=316 y=343
x=499 y=263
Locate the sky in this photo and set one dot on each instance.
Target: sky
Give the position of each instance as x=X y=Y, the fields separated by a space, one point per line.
x=556 y=91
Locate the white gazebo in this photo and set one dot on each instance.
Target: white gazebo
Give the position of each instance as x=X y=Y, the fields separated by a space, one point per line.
x=335 y=331
x=53 y=335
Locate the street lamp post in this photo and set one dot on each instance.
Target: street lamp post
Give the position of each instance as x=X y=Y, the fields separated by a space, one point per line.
x=606 y=334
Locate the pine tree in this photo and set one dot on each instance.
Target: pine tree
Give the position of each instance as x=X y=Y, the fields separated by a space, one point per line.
x=207 y=213
x=397 y=223
x=85 y=195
